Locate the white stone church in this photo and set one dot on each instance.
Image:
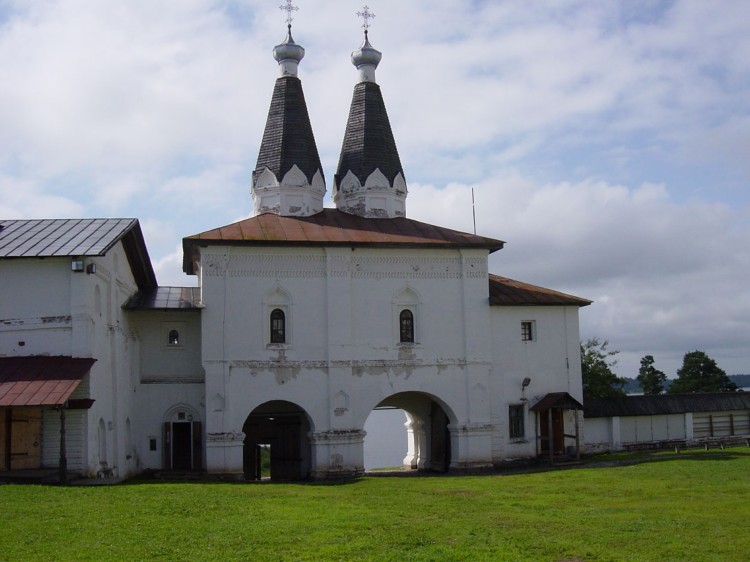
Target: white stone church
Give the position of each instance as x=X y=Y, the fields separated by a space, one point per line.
x=305 y=319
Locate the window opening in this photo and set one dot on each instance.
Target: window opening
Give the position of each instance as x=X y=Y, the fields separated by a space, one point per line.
x=516 y=421
x=174 y=337
x=527 y=331
x=278 y=326
x=406 y=323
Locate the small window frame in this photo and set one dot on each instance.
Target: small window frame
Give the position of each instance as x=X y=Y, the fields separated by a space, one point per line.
x=406 y=328
x=528 y=331
x=173 y=338
x=517 y=422
x=277 y=326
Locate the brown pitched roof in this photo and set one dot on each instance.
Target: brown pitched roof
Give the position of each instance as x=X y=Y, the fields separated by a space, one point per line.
x=509 y=292
x=332 y=227
x=40 y=380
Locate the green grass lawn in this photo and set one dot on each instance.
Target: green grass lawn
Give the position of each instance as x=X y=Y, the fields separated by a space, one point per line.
x=692 y=506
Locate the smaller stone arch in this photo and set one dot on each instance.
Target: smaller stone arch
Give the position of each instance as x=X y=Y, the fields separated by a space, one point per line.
x=182 y=439
x=284 y=428
x=429 y=441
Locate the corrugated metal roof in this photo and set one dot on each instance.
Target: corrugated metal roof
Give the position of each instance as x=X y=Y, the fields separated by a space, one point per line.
x=659 y=404
x=40 y=380
x=332 y=227
x=61 y=237
x=165 y=298
x=43 y=238
x=509 y=292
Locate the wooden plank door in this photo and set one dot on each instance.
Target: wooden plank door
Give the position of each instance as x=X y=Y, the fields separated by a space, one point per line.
x=25 y=438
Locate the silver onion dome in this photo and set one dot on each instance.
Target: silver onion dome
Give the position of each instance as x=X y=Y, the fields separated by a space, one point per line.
x=366 y=55
x=288 y=50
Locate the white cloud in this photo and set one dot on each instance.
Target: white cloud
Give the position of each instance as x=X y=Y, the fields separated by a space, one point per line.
x=588 y=129
x=666 y=278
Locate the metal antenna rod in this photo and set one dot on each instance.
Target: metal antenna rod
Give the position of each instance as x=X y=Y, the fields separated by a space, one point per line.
x=473 y=210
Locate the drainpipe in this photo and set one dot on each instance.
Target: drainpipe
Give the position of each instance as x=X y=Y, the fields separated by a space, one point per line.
x=63 y=453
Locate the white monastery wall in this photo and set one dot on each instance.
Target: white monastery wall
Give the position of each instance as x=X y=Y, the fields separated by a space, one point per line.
x=35 y=311
x=170 y=378
x=343 y=355
x=551 y=360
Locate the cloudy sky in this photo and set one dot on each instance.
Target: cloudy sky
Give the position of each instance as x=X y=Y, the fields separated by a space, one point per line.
x=608 y=142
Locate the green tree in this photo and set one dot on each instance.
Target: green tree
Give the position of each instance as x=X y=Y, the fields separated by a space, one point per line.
x=650 y=378
x=700 y=373
x=596 y=366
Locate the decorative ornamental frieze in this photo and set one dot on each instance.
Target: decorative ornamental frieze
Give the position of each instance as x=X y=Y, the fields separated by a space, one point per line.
x=306 y=266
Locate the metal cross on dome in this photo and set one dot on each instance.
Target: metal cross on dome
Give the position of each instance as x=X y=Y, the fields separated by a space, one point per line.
x=366 y=16
x=289 y=8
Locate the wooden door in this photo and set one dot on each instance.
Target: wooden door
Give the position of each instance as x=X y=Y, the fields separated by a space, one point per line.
x=557 y=430
x=286 y=461
x=182 y=446
x=25 y=438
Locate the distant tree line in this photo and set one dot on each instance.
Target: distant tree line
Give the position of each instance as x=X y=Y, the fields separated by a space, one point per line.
x=698 y=373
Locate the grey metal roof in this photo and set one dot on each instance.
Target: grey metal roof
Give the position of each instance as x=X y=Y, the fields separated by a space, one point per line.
x=165 y=298
x=288 y=138
x=659 y=404
x=556 y=400
x=44 y=238
x=368 y=141
x=60 y=237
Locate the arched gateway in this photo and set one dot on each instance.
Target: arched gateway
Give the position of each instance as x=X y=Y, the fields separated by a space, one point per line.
x=284 y=428
x=428 y=434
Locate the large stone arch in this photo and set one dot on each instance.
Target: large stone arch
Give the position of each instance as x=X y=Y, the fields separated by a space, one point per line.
x=286 y=428
x=430 y=444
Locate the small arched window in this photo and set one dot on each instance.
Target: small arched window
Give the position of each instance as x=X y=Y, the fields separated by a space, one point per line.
x=278 y=326
x=174 y=337
x=406 y=324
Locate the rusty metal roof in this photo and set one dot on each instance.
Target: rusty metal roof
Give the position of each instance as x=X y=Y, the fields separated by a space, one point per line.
x=559 y=400
x=43 y=238
x=509 y=292
x=660 y=404
x=165 y=298
x=332 y=227
x=40 y=380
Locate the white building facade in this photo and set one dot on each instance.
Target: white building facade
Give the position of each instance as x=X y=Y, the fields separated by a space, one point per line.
x=305 y=319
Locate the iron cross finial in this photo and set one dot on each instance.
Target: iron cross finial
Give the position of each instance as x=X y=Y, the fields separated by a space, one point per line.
x=289 y=8
x=366 y=16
